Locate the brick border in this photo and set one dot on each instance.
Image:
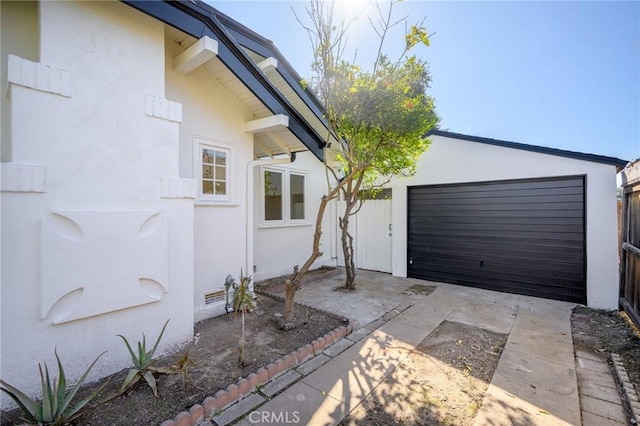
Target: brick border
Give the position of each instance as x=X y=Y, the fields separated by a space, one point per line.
x=246 y=385
x=630 y=394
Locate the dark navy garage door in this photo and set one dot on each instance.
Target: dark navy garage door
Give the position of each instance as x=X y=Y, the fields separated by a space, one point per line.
x=520 y=236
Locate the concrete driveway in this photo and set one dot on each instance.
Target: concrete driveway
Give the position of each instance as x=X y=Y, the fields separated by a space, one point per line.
x=535 y=381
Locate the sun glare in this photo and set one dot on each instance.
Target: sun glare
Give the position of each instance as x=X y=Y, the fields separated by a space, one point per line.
x=353 y=9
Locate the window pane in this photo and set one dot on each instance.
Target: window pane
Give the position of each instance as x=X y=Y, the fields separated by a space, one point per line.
x=272 y=195
x=214 y=172
x=221 y=158
x=207 y=187
x=221 y=188
x=207 y=156
x=296 y=185
x=221 y=173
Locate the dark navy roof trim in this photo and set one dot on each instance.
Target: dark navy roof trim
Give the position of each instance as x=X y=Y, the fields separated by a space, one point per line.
x=265 y=47
x=534 y=148
x=198 y=22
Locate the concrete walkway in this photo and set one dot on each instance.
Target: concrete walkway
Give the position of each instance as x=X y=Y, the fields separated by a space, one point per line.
x=535 y=381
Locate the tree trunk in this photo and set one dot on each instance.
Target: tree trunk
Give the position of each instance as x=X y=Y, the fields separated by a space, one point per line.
x=288 y=298
x=347 y=250
x=351 y=195
x=293 y=285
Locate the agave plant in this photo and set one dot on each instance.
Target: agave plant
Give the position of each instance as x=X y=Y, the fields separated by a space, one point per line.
x=55 y=408
x=243 y=300
x=142 y=363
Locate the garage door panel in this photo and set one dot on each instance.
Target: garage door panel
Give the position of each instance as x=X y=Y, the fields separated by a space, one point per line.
x=550 y=292
x=506 y=233
x=540 y=272
x=441 y=207
x=537 y=260
x=574 y=213
x=480 y=193
x=486 y=276
x=512 y=281
x=524 y=185
x=463 y=219
x=572 y=249
x=427 y=226
x=523 y=234
x=517 y=241
x=464 y=201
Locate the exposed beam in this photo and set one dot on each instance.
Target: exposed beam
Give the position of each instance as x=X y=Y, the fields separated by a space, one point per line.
x=279 y=142
x=274 y=122
x=263 y=148
x=197 y=54
x=268 y=64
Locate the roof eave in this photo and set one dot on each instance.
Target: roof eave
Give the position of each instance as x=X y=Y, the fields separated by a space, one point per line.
x=261 y=45
x=197 y=22
x=594 y=158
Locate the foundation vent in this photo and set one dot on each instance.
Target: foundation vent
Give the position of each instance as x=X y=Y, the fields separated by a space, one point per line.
x=210 y=298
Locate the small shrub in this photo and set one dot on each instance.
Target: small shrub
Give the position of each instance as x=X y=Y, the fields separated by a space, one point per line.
x=55 y=408
x=182 y=364
x=142 y=363
x=243 y=301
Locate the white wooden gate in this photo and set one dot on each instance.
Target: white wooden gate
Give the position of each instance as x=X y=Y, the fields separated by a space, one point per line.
x=371 y=231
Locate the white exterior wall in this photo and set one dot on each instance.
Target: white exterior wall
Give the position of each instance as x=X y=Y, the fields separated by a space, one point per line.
x=277 y=249
x=457 y=161
x=212 y=113
x=86 y=145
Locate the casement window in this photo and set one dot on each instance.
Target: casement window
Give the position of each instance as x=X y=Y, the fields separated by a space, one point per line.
x=213 y=164
x=283 y=196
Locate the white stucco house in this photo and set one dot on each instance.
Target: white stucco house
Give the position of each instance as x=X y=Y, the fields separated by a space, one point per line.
x=150 y=148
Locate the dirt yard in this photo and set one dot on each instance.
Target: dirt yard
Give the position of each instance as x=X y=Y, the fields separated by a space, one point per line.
x=426 y=387
x=214 y=357
x=605 y=332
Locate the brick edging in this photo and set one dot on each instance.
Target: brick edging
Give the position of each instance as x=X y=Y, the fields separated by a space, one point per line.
x=629 y=392
x=246 y=385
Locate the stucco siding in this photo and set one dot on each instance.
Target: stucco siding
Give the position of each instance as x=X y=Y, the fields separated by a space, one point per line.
x=214 y=115
x=94 y=250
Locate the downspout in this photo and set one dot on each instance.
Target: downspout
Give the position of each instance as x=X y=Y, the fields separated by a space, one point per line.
x=250 y=211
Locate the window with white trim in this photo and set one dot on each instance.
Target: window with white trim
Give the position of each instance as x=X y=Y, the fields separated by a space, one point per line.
x=283 y=196
x=212 y=166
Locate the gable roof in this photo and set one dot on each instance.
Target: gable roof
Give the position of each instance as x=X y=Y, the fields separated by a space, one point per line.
x=253 y=41
x=617 y=162
x=199 y=19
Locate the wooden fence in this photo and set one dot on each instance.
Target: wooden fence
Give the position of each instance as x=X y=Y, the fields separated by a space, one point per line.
x=630 y=243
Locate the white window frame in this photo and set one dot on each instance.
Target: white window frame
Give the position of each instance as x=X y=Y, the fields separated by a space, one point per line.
x=218 y=199
x=286 y=196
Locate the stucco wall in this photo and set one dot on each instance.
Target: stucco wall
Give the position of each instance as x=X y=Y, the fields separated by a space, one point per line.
x=278 y=249
x=456 y=161
x=94 y=244
x=211 y=113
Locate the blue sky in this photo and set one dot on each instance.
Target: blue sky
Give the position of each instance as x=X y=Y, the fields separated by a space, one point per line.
x=559 y=74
